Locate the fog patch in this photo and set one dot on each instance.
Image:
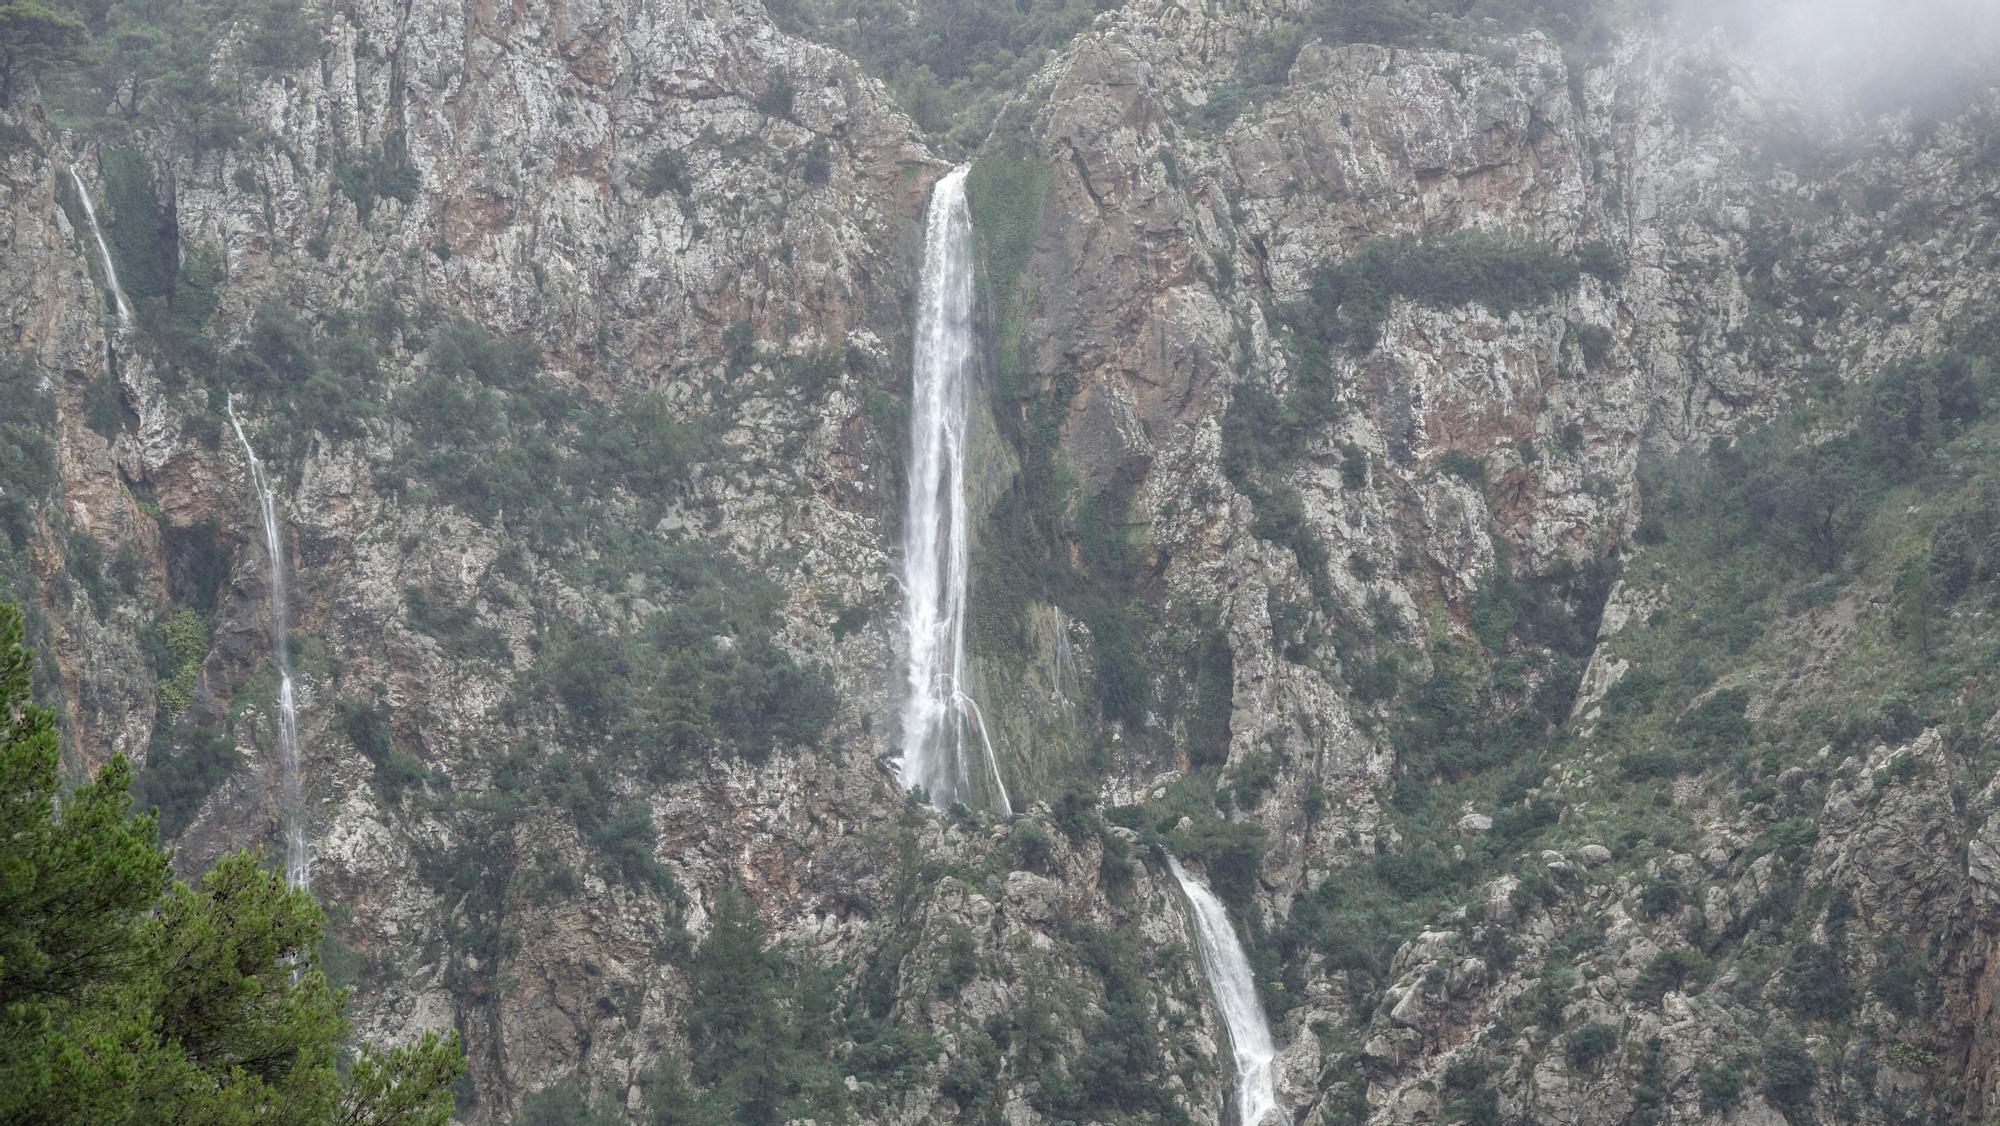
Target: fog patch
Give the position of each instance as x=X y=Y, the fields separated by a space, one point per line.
x=1868 y=56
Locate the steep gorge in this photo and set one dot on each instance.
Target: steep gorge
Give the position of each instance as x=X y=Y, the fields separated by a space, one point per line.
x=1323 y=477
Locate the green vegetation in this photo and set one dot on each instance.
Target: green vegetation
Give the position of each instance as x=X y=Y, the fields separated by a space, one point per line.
x=34 y=38
x=760 y=1026
x=178 y=643
x=1581 y=27
x=131 y=996
x=326 y=379
x=666 y=172
x=487 y=434
x=369 y=177
x=1264 y=434
x=1346 y=303
x=1006 y=194
x=1745 y=547
x=1116 y=1076
x=670 y=692
x=155 y=62
x=27 y=465
x=181 y=772
x=366 y=725
x=952 y=65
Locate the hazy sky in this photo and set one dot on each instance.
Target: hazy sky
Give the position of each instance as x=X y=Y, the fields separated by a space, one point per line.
x=1882 y=52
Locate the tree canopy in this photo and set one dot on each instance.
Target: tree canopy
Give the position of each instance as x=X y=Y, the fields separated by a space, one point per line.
x=32 y=37
x=127 y=995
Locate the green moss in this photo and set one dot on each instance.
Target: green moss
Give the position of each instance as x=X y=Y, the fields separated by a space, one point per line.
x=134 y=225
x=180 y=644
x=181 y=772
x=1007 y=195
x=1346 y=303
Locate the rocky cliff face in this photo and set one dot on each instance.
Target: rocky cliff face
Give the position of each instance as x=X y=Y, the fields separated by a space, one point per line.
x=698 y=221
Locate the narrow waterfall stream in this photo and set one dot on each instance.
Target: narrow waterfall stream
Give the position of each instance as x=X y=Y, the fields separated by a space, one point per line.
x=1235 y=992
x=938 y=713
x=103 y=252
x=298 y=859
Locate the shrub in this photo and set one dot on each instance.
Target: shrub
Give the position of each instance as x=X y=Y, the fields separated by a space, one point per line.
x=1900 y=980
x=1718 y=725
x=1651 y=763
x=666 y=171
x=974 y=1073
x=1600 y=260
x=1900 y=419
x=178 y=644
x=1231 y=852
x=1123 y=687
x=1594 y=342
x=1588 y=1046
x=1810 y=500
x=1816 y=983
x=778 y=98
x=1467 y=467
x=1353 y=467
x=1030 y=848
x=179 y=777
x=1208 y=717
x=1345 y=304
x=818 y=165
x=1256 y=773
x=1789 y=1073
x=1661 y=895
x=1674 y=971
x=1721 y=1086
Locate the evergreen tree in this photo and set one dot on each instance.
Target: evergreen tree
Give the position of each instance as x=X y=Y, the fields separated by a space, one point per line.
x=129 y=996
x=752 y=1031
x=32 y=38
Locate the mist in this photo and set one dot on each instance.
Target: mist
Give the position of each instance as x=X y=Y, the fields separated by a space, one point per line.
x=1868 y=56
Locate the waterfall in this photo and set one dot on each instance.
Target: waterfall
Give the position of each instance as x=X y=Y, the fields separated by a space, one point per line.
x=935 y=565
x=298 y=860
x=103 y=253
x=1235 y=991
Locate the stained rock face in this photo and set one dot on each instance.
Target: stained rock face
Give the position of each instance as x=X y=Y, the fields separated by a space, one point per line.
x=680 y=201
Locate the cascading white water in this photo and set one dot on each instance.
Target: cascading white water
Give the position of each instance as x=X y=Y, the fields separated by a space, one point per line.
x=298 y=858
x=1235 y=991
x=103 y=252
x=935 y=563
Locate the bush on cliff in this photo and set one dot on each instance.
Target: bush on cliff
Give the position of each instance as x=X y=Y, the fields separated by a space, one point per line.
x=127 y=995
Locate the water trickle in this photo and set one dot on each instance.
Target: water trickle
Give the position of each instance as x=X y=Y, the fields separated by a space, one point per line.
x=1235 y=992
x=123 y=306
x=298 y=858
x=1059 y=695
x=937 y=710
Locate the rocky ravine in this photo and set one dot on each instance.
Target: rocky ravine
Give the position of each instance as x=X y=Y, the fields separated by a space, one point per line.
x=788 y=231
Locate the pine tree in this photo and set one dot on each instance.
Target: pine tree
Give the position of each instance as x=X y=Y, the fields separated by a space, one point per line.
x=129 y=996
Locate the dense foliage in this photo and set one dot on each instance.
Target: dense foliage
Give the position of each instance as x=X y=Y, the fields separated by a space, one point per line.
x=155 y=62
x=128 y=995
x=1265 y=432
x=1876 y=490
x=953 y=64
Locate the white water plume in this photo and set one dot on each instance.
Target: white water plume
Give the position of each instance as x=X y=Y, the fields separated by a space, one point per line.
x=936 y=568
x=298 y=858
x=123 y=306
x=1235 y=992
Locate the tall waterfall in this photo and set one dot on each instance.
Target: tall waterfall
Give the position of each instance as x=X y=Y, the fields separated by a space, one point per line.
x=298 y=859
x=103 y=252
x=1235 y=991
x=938 y=713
